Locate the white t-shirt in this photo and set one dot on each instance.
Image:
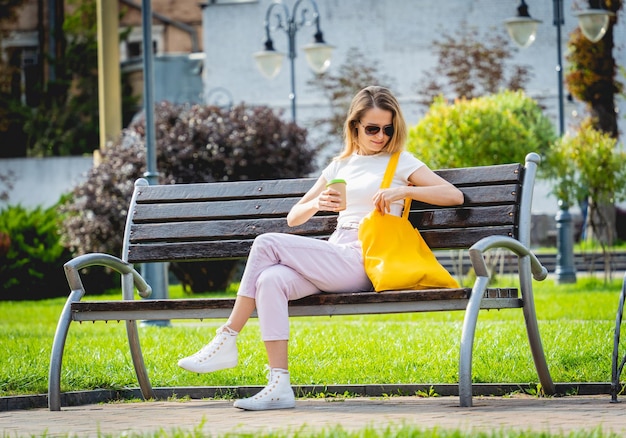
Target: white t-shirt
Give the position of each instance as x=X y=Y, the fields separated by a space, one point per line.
x=364 y=175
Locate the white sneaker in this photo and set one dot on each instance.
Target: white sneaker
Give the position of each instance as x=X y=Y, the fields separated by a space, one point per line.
x=276 y=395
x=219 y=354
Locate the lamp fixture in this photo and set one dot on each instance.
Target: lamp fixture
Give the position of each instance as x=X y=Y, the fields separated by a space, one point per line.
x=522 y=28
x=593 y=23
x=318 y=53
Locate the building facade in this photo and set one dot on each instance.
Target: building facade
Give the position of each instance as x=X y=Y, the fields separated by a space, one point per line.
x=395 y=35
x=30 y=42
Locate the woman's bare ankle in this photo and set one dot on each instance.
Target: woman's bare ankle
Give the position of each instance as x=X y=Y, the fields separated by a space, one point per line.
x=227 y=329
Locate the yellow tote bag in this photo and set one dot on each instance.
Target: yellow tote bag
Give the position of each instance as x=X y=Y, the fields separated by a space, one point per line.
x=395 y=255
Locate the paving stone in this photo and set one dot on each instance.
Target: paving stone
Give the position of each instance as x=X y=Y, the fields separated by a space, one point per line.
x=218 y=417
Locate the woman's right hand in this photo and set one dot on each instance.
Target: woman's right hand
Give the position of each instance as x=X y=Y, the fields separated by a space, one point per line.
x=329 y=200
x=317 y=198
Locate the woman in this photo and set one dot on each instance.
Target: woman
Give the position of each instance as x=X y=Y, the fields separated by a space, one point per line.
x=284 y=267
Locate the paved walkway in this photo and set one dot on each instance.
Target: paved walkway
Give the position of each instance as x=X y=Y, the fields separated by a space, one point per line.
x=217 y=417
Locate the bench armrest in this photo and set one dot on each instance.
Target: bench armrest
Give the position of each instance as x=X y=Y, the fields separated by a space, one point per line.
x=476 y=254
x=100 y=259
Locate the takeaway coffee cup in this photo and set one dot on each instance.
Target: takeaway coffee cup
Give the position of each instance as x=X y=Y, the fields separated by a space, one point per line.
x=340 y=186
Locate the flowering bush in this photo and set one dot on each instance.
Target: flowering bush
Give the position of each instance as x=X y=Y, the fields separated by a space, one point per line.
x=193 y=144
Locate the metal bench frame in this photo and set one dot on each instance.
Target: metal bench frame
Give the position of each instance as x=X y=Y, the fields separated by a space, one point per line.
x=488 y=222
x=617 y=363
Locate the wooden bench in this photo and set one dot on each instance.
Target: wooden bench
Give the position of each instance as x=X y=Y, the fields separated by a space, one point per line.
x=217 y=221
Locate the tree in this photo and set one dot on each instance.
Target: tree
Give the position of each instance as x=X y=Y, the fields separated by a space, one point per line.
x=470 y=65
x=589 y=165
x=591 y=76
x=65 y=120
x=356 y=73
x=12 y=113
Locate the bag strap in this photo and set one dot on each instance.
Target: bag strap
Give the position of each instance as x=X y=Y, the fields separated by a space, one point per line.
x=391 y=169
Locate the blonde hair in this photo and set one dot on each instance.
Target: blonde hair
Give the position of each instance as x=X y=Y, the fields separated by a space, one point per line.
x=366 y=99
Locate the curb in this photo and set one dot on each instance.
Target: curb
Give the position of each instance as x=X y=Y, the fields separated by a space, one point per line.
x=78 y=398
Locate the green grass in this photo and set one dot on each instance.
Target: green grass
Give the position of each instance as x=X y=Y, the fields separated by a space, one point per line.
x=576 y=323
x=398 y=431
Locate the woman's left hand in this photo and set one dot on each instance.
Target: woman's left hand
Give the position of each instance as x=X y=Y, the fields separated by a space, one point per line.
x=385 y=197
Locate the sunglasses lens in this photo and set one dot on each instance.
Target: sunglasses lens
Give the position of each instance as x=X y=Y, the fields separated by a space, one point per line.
x=371 y=130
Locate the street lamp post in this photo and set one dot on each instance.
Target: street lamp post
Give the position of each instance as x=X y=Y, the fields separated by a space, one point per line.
x=593 y=23
x=318 y=53
x=155 y=274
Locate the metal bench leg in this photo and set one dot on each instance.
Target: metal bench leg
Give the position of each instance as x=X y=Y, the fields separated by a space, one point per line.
x=58 y=346
x=532 y=328
x=133 y=341
x=616 y=365
x=140 y=367
x=467 y=341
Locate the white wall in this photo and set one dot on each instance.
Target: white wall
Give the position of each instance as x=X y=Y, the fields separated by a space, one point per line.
x=41 y=181
x=398 y=34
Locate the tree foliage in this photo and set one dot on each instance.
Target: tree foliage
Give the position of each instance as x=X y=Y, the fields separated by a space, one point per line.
x=499 y=128
x=591 y=75
x=65 y=121
x=588 y=164
x=470 y=65
x=31 y=256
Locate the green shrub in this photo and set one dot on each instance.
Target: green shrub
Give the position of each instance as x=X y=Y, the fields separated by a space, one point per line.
x=32 y=267
x=194 y=144
x=588 y=163
x=590 y=166
x=498 y=128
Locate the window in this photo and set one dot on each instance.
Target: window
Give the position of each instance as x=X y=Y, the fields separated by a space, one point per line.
x=21 y=51
x=132 y=47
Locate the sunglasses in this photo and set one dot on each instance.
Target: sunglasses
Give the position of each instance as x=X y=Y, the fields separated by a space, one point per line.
x=373 y=129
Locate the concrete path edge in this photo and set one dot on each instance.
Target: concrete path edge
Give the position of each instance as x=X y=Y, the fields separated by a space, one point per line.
x=79 y=398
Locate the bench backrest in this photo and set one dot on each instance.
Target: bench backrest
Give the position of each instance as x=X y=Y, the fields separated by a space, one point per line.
x=188 y=222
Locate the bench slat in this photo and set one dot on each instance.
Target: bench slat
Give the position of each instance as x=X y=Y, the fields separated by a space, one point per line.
x=488 y=195
x=463 y=238
x=318 y=225
x=485 y=175
x=231 y=249
x=343 y=303
x=463 y=217
x=278 y=207
x=227 y=229
x=237 y=209
x=225 y=190
x=311 y=310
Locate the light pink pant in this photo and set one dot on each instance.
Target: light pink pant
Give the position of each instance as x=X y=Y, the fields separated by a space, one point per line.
x=284 y=267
